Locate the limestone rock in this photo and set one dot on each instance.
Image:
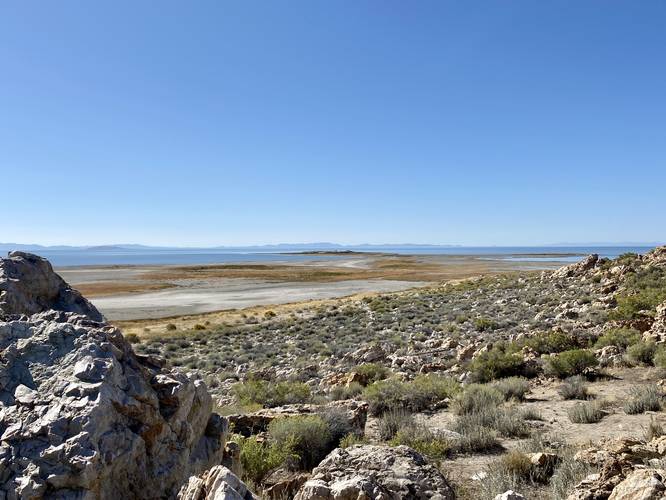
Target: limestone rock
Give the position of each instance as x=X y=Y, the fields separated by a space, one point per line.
x=28 y=285
x=375 y=472
x=641 y=484
x=81 y=415
x=218 y=483
x=577 y=269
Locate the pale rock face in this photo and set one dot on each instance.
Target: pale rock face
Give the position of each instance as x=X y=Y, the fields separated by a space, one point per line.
x=218 y=483
x=577 y=269
x=641 y=484
x=375 y=473
x=81 y=415
x=28 y=285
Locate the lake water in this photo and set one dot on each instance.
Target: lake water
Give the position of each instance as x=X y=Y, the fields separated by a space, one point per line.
x=92 y=257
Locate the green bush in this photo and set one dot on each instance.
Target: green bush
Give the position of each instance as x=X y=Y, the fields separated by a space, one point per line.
x=485 y=324
x=416 y=395
x=271 y=394
x=349 y=392
x=569 y=363
x=497 y=363
x=512 y=388
x=351 y=440
x=646 y=290
x=474 y=437
x=423 y=440
x=621 y=337
x=659 y=359
x=550 y=342
x=372 y=372
x=258 y=458
x=642 y=352
x=308 y=437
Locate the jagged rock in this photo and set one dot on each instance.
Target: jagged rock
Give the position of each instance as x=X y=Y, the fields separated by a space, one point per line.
x=657 y=331
x=356 y=413
x=600 y=485
x=218 y=483
x=231 y=458
x=81 y=416
x=641 y=484
x=578 y=268
x=375 y=472
x=610 y=355
x=28 y=285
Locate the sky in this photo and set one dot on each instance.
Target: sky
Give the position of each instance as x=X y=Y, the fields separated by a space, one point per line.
x=351 y=121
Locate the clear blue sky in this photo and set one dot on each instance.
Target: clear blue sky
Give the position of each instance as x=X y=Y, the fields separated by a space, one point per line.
x=215 y=122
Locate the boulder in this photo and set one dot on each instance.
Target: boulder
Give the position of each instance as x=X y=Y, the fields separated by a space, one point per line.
x=657 y=331
x=81 y=415
x=641 y=484
x=283 y=483
x=218 y=483
x=28 y=285
x=375 y=472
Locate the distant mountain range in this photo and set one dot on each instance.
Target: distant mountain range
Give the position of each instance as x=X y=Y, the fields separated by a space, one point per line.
x=283 y=247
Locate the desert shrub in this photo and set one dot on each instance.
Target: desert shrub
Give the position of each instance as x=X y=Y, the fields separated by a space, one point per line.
x=473 y=437
x=423 y=440
x=497 y=363
x=588 y=412
x=416 y=395
x=199 y=326
x=653 y=430
x=477 y=398
x=569 y=363
x=392 y=421
x=574 y=388
x=259 y=458
x=338 y=424
x=512 y=388
x=270 y=394
x=346 y=392
x=351 y=440
x=659 y=359
x=511 y=471
x=506 y=422
x=171 y=327
x=621 y=337
x=133 y=338
x=485 y=324
x=307 y=436
x=550 y=342
x=568 y=473
x=642 y=352
x=646 y=398
x=372 y=372
x=646 y=290
x=427 y=390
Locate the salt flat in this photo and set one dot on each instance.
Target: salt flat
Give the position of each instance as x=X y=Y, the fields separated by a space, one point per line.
x=233 y=293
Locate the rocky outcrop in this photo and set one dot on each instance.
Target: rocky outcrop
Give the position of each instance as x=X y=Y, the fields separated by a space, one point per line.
x=354 y=412
x=28 y=285
x=577 y=269
x=218 y=483
x=81 y=415
x=375 y=472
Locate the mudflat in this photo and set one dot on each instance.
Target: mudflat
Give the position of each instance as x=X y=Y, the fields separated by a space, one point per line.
x=147 y=292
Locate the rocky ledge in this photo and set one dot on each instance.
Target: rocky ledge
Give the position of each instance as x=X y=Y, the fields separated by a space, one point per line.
x=81 y=415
